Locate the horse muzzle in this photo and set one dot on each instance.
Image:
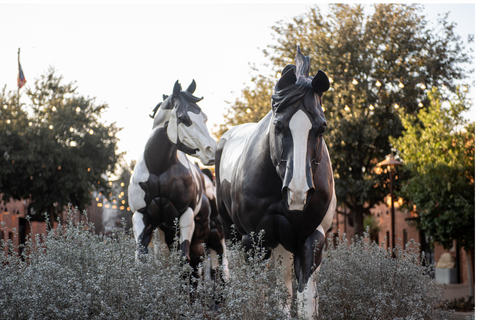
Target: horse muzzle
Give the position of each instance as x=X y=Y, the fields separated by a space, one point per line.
x=297 y=200
x=208 y=157
x=206 y=154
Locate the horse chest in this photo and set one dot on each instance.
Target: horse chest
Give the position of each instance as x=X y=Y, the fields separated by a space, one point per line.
x=179 y=186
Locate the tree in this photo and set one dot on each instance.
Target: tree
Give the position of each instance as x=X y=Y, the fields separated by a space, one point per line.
x=253 y=105
x=55 y=151
x=438 y=149
x=377 y=63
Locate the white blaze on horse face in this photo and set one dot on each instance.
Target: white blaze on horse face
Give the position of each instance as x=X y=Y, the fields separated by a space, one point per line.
x=297 y=188
x=196 y=136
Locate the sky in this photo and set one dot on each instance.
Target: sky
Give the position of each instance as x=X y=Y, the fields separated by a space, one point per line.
x=128 y=55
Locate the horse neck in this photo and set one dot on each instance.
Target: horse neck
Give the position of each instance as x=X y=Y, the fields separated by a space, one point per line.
x=160 y=154
x=263 y=142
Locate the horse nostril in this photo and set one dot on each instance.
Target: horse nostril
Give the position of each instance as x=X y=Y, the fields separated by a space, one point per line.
x=209 y=152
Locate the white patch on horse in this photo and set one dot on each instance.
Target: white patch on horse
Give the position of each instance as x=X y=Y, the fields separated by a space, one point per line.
x=162 y=116
x=306 y=299
x=138 y=227
x=172 y=127
x=136 y=195
x=226 y=270
x=196 y=136
x=209 y=188
x=287 y=261
x=182 y=157
x=327 y=220
x=297 y=189
x=186 y=225
x=237 y=138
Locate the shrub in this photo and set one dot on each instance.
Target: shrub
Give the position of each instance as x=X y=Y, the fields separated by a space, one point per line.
x=363 y=281
x=255 y=287
x=72 y=273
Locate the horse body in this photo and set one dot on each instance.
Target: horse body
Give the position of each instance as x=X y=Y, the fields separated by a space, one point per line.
x=276 y=175
x=166 y=185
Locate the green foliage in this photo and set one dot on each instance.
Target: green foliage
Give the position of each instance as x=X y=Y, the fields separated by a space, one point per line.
x=438 y=149
x=253 y=105
x=55 y=150
x=370 y=223
x=375 y=63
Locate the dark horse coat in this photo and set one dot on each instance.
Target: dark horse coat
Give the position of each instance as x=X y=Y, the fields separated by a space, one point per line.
x=166 y=186
x=276 y=175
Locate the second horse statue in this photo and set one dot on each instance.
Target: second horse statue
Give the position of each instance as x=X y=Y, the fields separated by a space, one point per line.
x=166 y=186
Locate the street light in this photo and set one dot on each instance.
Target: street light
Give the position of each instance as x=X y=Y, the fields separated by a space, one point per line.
x=391 y=163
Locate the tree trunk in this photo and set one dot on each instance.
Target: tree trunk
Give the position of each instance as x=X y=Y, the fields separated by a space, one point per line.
x=470 y=273
x=51 y=216
x=358 y=222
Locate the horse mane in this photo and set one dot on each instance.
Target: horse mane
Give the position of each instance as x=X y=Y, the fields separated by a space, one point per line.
x=187 y=95
x=293 y=94
x=190 y=97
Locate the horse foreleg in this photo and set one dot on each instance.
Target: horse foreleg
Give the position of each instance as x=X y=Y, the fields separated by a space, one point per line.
x=142 y=231
x=306 y=261
x=187 y=227
x=287 y=260
x=222 y=251
x=306 y=300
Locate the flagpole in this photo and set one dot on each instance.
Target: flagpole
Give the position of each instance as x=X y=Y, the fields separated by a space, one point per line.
x=18 y=87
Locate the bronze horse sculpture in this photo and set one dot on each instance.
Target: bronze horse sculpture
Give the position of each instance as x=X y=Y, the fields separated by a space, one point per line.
x=276 y=175
x=166 y=186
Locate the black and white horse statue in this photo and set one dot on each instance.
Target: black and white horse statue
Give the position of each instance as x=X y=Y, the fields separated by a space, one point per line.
x=166 y=186
x=276 y=176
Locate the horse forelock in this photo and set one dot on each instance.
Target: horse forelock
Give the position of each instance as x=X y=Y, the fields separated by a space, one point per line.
x=291 y=96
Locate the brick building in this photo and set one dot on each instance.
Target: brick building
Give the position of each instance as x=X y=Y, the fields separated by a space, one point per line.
x=405 y=230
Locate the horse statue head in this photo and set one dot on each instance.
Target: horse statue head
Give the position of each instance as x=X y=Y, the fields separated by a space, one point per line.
x=185 y=123
x=298 y=123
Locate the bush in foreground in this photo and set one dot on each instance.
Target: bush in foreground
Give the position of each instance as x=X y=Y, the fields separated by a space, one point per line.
x=72 y=273
x=363 y=281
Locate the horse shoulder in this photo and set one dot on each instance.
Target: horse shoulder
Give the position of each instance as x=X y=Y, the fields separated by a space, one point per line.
x=136 y=195
x=235 y=141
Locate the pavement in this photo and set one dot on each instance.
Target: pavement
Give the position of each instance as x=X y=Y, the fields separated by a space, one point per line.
x=457 y=290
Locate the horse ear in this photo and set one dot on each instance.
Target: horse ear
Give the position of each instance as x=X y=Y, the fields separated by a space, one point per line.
x=287 y=68
x=302 y=62
x=320 y=82
x=288 y=78
x=191 y=88
x=177 y=88
x=165 y=97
